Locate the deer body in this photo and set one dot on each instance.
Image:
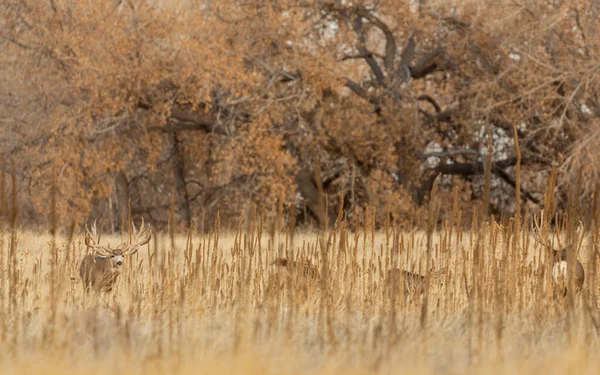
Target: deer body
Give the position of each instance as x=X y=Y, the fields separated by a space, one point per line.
x=413 y=282
x=307 y=268
x=560 y=271
x=99 y=271
x=560 y=265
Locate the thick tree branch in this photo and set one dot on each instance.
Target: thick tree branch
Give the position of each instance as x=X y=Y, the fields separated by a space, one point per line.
x=184 y=120
x=452 y=152
x=179 y=127
x=471 y=169
x=309 y=191
x=179 y=177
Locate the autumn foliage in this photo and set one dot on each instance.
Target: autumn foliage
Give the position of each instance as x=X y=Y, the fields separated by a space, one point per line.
x=230 y=107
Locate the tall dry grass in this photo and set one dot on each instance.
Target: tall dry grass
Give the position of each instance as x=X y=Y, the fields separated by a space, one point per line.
x=213 y=302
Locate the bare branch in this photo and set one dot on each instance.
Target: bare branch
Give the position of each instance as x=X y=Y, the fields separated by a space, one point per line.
x=408 y=54
x=203 y=127
x=360 y=56
x=357 y=88
x=188 y=121
x=452 y=21
x=365 y=53
x=471 y=169
x=429 y=99
x=425 y=155
x=390 y=41
x=373 y=65
x=445 y=116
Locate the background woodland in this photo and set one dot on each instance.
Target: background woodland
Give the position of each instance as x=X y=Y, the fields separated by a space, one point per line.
x=190 y=109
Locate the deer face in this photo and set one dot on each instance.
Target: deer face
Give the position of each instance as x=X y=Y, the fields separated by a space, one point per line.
x=116 y=258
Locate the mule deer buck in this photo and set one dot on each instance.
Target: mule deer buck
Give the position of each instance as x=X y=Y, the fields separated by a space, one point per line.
x=100 y=269
x=413 y=282
x=560 y=265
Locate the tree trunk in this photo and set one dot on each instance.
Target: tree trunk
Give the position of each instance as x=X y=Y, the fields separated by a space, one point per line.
x=123 y=196
x=179 y=176
x=315 y=205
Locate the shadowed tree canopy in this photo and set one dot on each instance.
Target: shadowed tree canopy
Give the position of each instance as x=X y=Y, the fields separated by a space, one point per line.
x=230 y=107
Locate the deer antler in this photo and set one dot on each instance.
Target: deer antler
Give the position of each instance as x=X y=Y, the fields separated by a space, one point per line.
x=140 y=238
x=537 y=229
x=89 y=236
x=92 y=239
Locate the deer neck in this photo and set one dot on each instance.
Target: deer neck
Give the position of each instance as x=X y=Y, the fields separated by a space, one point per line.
x=560 y=255
x=106 y=264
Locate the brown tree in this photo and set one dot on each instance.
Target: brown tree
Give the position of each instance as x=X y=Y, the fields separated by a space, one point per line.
x=232 y=105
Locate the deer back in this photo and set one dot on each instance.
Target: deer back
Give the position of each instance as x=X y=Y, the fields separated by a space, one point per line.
x=412 y=281
x=559 y=269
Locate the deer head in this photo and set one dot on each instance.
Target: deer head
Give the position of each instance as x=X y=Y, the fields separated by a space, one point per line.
x=116 y=255
x=558 y=254
x=560 y=264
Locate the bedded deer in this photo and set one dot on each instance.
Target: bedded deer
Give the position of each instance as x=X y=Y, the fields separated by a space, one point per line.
x=413 y=282
x=100 y=269
x=308 y=269
x=560 y=265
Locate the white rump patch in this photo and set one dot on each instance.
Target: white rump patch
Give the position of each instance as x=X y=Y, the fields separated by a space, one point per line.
x=559 y=272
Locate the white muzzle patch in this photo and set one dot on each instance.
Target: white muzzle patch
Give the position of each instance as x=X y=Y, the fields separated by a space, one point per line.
x=117 y=260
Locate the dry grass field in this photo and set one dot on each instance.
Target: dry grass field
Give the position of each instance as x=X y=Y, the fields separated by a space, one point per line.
x=214 y=303
x=255 y=123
